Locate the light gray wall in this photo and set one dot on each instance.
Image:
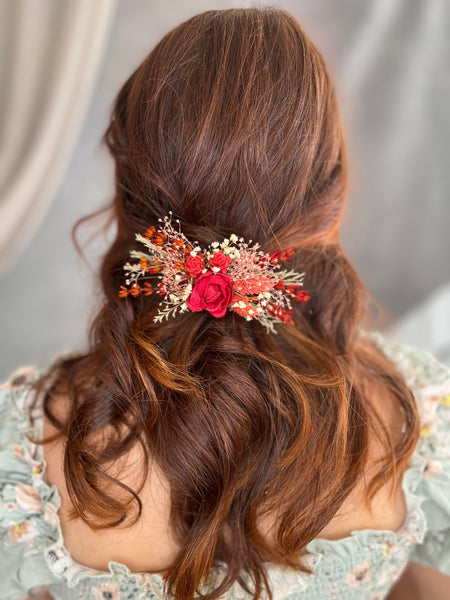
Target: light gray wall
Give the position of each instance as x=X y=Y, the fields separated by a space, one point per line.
x=390 y=60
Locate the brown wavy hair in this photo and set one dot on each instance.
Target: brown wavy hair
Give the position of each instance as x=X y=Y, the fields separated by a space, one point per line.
x=231 y=123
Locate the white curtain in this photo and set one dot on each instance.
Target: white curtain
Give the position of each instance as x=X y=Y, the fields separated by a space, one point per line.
x=50 y=53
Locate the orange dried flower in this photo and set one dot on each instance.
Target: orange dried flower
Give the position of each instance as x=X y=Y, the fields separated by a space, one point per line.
x=159 y=238
x=135 y=290
x=243 y=307
x=144 y=264
x=150 y=232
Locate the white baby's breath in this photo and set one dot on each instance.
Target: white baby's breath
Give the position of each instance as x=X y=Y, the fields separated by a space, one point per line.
x=186 y=292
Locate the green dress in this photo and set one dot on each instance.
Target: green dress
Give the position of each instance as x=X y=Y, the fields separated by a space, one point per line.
x=364 y=565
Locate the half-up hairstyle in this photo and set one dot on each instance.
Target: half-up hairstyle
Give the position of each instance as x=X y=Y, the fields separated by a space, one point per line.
x=231 y=123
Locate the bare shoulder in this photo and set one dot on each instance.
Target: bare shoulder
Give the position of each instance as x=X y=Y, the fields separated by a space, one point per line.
x=149 y=545
x=388 y=508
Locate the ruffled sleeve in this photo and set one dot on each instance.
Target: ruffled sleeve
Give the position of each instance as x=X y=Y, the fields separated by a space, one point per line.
x=28 y=506
x=434 y=487
x=430 y=382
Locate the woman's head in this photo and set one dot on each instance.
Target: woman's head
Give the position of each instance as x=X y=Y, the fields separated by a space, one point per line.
x=230 y=123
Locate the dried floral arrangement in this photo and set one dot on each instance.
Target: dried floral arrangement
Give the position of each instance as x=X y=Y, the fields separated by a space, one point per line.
x=230 y=275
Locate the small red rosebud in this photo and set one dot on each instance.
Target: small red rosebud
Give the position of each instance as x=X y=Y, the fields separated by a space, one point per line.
x=220 y=260
x=194 y=265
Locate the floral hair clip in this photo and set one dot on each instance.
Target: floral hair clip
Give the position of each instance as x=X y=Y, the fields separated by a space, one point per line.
x=228 y=275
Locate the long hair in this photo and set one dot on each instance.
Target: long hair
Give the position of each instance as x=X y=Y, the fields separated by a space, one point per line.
x=231 y=123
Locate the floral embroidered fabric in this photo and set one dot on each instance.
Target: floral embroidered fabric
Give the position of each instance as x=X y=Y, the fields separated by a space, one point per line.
x=361 y=566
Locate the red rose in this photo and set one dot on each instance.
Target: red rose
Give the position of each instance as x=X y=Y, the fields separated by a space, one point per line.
x=194 y=265
x=212 y=292
x=219 y=259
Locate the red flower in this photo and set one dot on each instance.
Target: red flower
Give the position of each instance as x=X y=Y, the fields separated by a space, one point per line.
x=220 y=260
x=275 y=256
x=302 y=296
x=287 y=254
x=194 y=265
x=211 y=292
x=281 y=255
x=280 y=313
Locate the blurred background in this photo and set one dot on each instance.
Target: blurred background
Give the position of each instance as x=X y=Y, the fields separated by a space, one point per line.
x=62 y=63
